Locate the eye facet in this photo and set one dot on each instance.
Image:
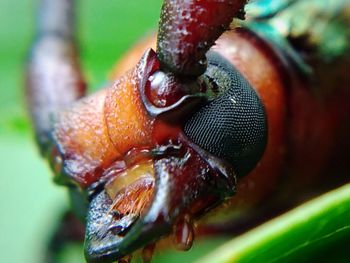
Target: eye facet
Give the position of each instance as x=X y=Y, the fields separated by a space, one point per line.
x=233 y=125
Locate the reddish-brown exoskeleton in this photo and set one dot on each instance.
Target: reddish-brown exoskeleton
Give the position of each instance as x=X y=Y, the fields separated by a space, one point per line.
x=168 y=140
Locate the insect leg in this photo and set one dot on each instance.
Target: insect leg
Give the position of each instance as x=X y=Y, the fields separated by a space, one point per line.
x=54 y=78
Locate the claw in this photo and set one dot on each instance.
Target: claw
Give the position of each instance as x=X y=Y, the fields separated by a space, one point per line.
x=186 y=186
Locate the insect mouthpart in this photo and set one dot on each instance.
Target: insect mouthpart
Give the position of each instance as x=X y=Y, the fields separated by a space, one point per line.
x=131 y=192
x=125 y=197
x=154 y=198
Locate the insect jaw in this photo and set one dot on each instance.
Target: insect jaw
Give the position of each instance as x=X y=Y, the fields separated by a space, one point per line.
x=186 y=186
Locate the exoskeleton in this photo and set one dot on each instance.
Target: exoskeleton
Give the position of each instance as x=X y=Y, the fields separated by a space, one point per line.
x=210 y=108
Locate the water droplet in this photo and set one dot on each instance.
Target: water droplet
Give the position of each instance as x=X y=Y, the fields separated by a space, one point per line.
x=202 y=62
x=126 y=259
x=147 y=253
x=57 y=164
x=184 y=233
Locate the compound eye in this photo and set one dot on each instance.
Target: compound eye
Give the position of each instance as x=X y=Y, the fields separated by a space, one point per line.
x=232 y=126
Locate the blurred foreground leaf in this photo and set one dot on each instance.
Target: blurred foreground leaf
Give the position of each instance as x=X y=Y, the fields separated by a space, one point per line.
x=317 y=231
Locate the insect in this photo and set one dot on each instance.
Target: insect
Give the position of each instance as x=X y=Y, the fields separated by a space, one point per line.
x=168 y=141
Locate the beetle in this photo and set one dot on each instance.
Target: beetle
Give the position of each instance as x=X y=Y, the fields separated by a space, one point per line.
x=167 y=142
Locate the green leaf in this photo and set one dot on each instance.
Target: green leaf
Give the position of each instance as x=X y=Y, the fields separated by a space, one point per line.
x=315 y=230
